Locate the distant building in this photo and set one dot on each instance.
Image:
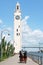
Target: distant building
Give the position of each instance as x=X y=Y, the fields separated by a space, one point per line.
x=17 y=28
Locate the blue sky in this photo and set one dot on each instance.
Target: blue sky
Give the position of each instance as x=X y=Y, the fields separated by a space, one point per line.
x=31 y=8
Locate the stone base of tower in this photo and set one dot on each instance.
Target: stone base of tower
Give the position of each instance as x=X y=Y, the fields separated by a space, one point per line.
x=17 y=50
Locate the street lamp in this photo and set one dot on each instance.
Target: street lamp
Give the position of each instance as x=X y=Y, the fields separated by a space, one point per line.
x=1 y=40
x=39 y=46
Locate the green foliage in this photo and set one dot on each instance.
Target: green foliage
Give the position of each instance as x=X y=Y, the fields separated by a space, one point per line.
x=0 y=50
x=7 y=49
x=11 y=50
x=3 y=47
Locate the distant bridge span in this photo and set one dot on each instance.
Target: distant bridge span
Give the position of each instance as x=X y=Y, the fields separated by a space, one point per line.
x=32 y=47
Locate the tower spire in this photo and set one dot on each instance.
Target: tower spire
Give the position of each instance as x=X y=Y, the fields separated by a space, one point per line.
x=17 y=6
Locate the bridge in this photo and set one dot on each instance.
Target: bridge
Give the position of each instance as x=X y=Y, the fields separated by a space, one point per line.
x=32 y=47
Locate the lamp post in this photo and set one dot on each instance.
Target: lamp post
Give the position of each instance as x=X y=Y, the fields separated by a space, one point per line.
x=1 y=41
x=39 y=46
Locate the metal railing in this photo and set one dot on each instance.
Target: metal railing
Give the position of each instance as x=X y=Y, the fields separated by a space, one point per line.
x=38 y=58
x=35 y=56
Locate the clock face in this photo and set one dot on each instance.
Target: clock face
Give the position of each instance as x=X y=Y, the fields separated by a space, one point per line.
x=17 y=17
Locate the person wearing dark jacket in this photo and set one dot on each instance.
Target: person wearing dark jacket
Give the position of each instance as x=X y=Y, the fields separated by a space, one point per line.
x=25 y=56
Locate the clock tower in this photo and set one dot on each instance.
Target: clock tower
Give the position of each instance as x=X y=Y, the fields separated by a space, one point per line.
x=17 y=28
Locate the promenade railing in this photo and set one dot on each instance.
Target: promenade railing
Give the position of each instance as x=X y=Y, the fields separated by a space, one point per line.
x=35 y=56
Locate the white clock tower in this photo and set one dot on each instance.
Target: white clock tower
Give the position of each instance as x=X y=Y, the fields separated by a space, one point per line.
x=17 y=28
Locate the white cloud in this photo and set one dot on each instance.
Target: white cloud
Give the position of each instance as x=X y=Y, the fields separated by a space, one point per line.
x=30 y=37
x=1 y=21
x=26 y=17
x=9 y=28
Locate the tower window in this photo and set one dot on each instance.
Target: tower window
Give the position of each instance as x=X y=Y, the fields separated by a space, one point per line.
x=17 y=30
x=17 y=34
x=17 y=7
x=19 y=26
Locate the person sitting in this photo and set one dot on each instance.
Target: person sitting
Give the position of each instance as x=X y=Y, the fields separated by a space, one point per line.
x=20 y=55
x=25 y=56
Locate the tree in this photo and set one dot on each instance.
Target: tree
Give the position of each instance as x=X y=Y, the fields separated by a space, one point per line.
x=8 y=49
x=12 y=49
x=0 y=50
x=3 y=43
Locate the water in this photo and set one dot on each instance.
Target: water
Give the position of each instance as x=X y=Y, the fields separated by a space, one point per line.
x=31 y=49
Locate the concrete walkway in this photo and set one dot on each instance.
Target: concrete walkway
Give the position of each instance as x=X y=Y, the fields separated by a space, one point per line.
x=15 y=61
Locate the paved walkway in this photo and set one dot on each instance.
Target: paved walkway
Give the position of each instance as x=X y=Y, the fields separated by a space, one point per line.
x=15 y=61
